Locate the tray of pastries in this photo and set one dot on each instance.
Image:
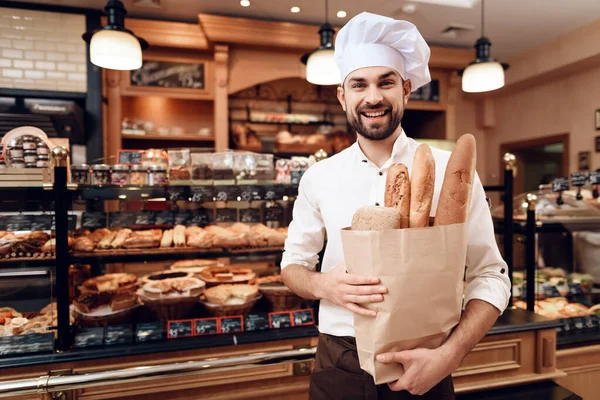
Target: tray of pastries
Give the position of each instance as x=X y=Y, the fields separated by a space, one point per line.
x=226 y=274
x=104 y=308
x=194 y=266
x=109 y=283
x=171 y=298
x=225 y=300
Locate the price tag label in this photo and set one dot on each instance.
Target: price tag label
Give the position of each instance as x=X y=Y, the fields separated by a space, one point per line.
x=164 y=218
x=179 y=329
x=225 y=215
x=29 y=343
x=567 y=325
x=579 y=323
x=71 y=222
x=270 y=193
x=591 y=322
x=183 y=217
x=257 y=322
x=232 y=324
x=303 y=317
x=176 y=193
x=144 y=218
x=280 y=320
x=575 y=289
x=93 y=220
x=578 y=179
x=19 y=222
x=250 y=215
x=200 y=217
x=226 y=193
x=251 y=193
x=87 y=337
x=130 y=157
x=550 y=291
x=123 y=219
x=295 y=177
x=118 y=334
x=560 y=185
x=206 y=326
x=41 y=223
x=273 y=213
x=595 y=178
x=148 y=331
x=200 y=194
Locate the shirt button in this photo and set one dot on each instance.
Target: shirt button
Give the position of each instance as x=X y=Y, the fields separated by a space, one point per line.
x=502 y=271
x=377 y=204
x=364 y=160
x=380 y=173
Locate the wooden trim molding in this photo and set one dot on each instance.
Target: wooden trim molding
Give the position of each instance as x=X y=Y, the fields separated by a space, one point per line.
x=167 y=34
x=506 y=355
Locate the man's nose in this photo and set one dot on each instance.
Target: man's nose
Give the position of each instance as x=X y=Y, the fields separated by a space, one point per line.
x=373 y=95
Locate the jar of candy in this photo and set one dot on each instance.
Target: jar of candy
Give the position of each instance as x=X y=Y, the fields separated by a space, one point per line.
x=42 y=161
x=42 y=148
x=157 y=176
x=29 y=143
x=80 y=174
x=31 y=164
x=15 y=149
x=138 y=175
x=100 y=174
x=119 y=175
x=18 y=163
x=30 y=156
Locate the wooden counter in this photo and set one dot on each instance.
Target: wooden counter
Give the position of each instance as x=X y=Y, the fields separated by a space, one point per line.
x=520 y=348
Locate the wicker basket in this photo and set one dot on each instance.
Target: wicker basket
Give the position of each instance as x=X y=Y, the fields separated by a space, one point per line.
x=227 y=310
x=129 y=288
x=170 y=309
x=117 y=318
x=281 y=298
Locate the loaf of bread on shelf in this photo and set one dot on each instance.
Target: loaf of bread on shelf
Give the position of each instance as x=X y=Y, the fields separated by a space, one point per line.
x=422 y=184
x=84 y=244
x=50 y=246
x=190 y=230
x=141 y=242
x=107 y=240
x=240 y=227
x=122 y=235
x=457 y=187
x=167 y=238
x=201 y=239
x=179 y=236
x=397 y=192
x=98 y=235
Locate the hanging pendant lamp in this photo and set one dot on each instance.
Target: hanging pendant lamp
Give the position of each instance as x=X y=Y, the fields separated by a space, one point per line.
x=321 y=68
x=484 y=74
x=113 y=46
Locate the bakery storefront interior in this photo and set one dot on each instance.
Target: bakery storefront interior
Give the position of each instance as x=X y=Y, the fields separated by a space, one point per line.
x=149 y=172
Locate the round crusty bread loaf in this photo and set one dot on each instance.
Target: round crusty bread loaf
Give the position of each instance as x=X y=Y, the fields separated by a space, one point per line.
x=372 y=218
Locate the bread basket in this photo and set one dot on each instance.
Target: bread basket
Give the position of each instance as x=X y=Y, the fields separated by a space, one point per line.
x=280 y=297
x=116 y=318
x=168 y=309
x=227 y=310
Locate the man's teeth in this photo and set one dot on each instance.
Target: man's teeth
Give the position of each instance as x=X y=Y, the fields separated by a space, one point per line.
x=373 y=115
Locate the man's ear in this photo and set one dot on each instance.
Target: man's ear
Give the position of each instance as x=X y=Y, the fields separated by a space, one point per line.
x=341 y=97
x=407 y=86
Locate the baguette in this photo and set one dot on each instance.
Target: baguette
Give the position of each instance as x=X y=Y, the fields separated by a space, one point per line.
x=455 y=196
x=179 y=236
x=167 y=238
x=422 y=184
x=397 y=192
x=107 y=240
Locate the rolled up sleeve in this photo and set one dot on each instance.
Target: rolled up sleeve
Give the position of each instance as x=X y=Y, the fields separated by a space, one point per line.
x=487 y=273
x=306 y=233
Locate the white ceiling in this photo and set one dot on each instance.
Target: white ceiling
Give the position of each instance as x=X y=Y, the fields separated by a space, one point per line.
x=513 y=26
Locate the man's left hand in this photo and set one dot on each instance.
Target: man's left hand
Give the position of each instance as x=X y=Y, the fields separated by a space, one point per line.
x=423 y=368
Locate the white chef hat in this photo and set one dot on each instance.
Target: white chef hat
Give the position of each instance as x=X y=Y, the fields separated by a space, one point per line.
x=371 y=40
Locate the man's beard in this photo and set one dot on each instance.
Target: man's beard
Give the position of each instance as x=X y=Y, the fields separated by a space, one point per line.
x=378 y=131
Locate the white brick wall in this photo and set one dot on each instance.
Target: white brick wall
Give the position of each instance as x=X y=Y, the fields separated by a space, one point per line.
x=42 y=51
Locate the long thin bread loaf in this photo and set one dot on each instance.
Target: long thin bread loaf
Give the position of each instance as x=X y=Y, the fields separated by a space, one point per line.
x=397 y=192
x=422 y=184
x=455 y=196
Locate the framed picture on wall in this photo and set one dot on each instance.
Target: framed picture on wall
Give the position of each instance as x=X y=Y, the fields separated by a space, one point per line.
x=598 y=120
x=584 y=160
x=597 y=144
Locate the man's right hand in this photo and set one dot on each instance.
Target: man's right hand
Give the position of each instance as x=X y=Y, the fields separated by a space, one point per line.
x=350 y=291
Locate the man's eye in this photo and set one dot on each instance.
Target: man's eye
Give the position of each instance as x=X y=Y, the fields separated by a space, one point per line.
x=358 y=86
x=387 y=83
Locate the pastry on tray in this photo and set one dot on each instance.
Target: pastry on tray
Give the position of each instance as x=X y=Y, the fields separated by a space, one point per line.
x=194 y=266
x=162 y=275
x=104 y=303
x=226 y=274
x=110 y=282
x=230 y=294
x=173 y=288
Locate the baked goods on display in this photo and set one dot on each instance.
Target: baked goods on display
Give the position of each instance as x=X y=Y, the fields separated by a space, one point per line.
x=109 y=283
x=194 y=266
x=226 y=274
x=226 y=300
x=279 y=296
x=556 y=308
x=162 y=275
x=173 y=288
x=30 y=244
x=104 y=303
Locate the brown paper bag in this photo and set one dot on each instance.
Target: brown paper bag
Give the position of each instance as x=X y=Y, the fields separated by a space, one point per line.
x=423 y=270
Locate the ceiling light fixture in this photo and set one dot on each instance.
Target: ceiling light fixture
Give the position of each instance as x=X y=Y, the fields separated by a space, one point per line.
x=484 y=74
x=341 y=14
x=321 y=68
x=113 y=46
x=245 y=3
x=295 y=9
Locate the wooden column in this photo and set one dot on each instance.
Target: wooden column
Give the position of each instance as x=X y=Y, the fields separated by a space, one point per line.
x=221 y=97
x=112 y=111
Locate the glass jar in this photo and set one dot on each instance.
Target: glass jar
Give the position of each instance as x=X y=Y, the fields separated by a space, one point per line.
x=42 y=148
x=155 y=157
x=80 y=174
x=17 y=163
x=223 y=168
x=100 y=174
x=138 y=175
x=42 y=161
x=179 y=165
x=15 y=149
x=264 y=167
x=29 y=143
x=202 y=169
x=157 y=176
x=119 y=175
x=30 y=156
x=31 y=164
x=244 y=167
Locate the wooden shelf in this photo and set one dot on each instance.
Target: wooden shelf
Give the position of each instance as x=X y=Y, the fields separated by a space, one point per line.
x=180 y=138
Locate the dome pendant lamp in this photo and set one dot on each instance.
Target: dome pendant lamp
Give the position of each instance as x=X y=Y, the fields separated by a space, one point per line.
x=484 y=74
x=113 y=46
x=321 y=68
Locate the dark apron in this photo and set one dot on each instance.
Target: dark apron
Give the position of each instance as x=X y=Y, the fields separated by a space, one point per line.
x=337 y=376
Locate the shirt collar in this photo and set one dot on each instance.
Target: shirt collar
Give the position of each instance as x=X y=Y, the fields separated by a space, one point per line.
x=399 y=146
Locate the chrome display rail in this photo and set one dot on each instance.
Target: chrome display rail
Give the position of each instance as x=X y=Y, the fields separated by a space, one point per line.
x=57 y=384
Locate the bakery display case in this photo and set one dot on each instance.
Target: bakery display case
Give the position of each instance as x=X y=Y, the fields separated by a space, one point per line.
x=556 y=259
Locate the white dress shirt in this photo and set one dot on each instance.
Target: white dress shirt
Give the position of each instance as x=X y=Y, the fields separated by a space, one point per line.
x=333 y=189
